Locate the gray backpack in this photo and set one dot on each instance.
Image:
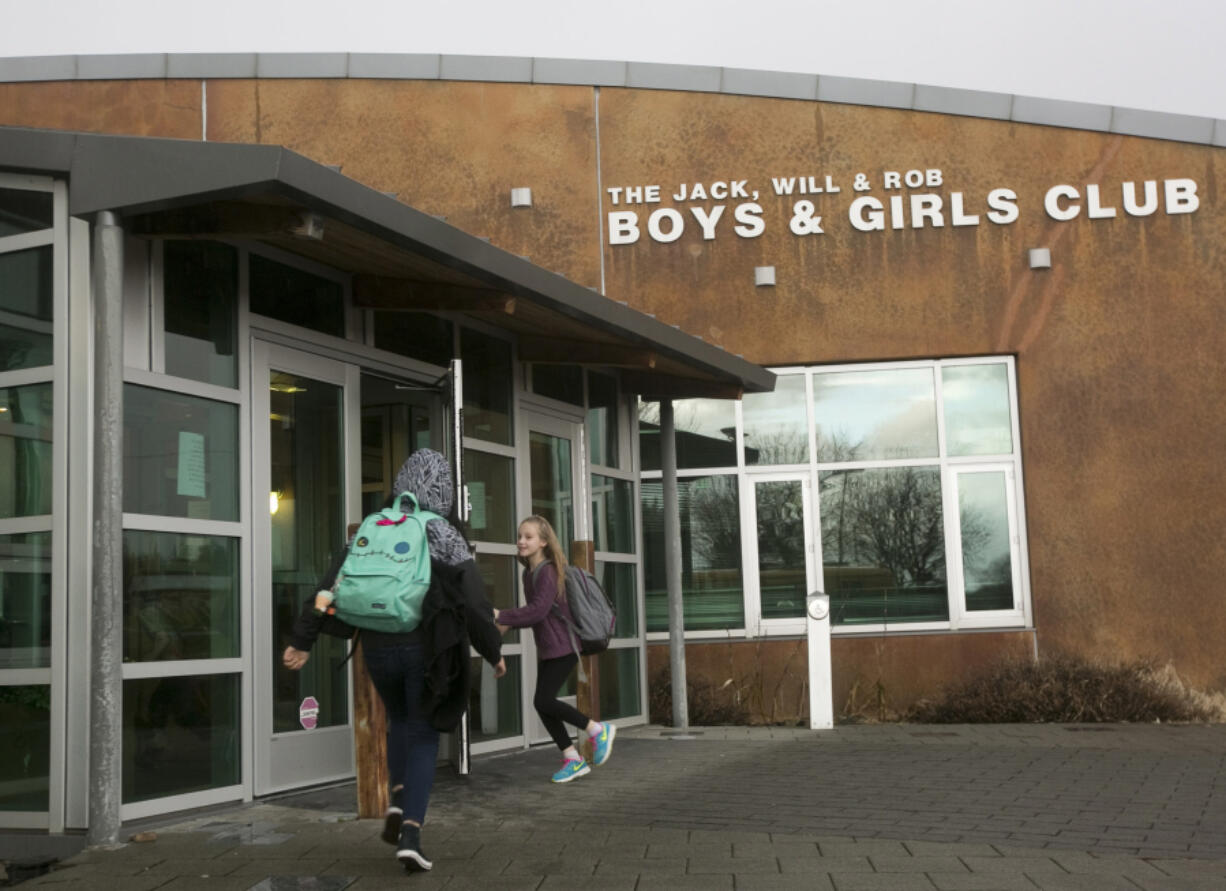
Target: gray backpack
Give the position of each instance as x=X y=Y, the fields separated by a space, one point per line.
x=593 y=613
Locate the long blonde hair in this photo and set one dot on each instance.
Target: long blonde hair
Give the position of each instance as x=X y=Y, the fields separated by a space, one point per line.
x=553 y=549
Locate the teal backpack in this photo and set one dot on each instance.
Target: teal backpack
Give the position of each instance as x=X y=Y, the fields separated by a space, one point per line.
x=386 y=573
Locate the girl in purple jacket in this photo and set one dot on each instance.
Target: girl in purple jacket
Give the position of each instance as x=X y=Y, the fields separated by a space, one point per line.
x=544 y=587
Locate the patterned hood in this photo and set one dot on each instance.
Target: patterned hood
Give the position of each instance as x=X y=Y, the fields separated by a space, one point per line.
x=427 y=475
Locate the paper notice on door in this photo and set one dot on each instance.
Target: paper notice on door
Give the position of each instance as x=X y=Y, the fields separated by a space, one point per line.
x=191 y=464
x=476 y=503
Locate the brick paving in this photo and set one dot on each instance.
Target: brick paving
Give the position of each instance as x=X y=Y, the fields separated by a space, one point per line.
x=957 y=808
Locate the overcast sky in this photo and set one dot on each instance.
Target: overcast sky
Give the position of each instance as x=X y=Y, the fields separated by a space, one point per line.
x=1167 y=55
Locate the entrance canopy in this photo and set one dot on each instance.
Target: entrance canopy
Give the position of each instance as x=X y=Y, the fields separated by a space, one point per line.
x=401 y=258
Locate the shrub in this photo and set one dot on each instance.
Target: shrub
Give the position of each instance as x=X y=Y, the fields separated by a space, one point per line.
x=709 y=705
x=1063 y=689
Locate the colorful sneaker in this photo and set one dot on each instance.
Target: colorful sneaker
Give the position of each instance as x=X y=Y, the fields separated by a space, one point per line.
x=571 y=769
x=602 y=744
x=409 y=850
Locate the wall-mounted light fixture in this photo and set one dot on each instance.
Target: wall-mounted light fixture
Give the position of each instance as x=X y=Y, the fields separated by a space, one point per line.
x=521 y=197
x=764 y=276
x=1040 y=258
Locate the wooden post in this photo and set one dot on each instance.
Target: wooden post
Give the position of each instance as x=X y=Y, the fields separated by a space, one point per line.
x=369 y=736
x=587 y=696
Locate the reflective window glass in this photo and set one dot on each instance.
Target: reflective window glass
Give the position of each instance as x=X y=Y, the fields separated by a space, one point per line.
x=25 y=600
x=977 y=417
x=613 y=514
x=494 y=709
x=562 y=382
x=552 y=484
x=200 y=293
x=619 y=583
x=491 y=495
x=711 y=582
x=181 y=596
x=987 y=560
x=180 y=734
x=883 y=545
x=500 y=573
x=25 y=450
x=782 y=550
x=25 y=740
x=619 y=683
x=24 y=210
x=418 y=335
x=602 y=415
x=705 y=433
x=296 y=296
x=27 y=298
x=180 y=455
x=875 y=415
x=776 y=423
x=487 y=386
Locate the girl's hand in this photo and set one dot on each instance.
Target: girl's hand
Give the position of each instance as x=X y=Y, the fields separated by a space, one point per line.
x=294 y=659
x=501 y=668
x=495 y=614
x=502 y=629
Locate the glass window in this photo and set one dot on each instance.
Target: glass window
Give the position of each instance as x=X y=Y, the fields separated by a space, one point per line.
x=552 y=485
x=26 y=304
x=25 y=600
x=200 y=293
x=494 y=709
x=23 y=210
x=25 y=740
x=180 y=596
x=296 y=296
x=705 y=432
x=180 y=734
x=491 y=494
x=883 y=545
x=875 y=415
x=180 y=455
x=487 y=386
x=613 y=514
x=782 y=551
x=500 y=572
x=602 y=415
x=977 y=417
x=711 y=582
x=618 y=581
x=987 y=558
x=418 y=335
x=619 y=683
x=25 y=450
x=562 y=382
x=777 y=424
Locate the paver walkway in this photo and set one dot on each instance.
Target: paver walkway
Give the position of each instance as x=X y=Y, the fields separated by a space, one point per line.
x=861 y=807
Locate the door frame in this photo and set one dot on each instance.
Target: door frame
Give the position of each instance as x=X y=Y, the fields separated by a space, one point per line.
x=552 y=423
x=278 y=759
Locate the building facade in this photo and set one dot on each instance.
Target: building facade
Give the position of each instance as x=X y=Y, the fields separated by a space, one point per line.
x=995 y=322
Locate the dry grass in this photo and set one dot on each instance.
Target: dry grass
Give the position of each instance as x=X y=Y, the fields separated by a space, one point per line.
x=1065 y=690
x=709 y=705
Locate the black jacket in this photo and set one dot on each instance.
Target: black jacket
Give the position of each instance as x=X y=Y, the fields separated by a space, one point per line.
x=455 y=614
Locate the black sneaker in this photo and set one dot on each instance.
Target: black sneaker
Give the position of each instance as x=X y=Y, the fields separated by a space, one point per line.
x=409 y=851
x=392 y=821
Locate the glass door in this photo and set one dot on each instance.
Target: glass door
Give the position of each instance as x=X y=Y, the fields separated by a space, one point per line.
x=782 y=551
x=304 y=430
x=550 y=489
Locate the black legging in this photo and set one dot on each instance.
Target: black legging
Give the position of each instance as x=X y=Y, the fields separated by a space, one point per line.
x=551 y=674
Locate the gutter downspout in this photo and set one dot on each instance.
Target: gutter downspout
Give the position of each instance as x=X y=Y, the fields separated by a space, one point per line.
x=106 y=633
x=672 y=567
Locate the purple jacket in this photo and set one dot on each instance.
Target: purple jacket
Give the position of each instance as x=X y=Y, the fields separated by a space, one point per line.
x=548 y=629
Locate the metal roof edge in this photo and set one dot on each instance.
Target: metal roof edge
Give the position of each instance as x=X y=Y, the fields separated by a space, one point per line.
x=1150 y=124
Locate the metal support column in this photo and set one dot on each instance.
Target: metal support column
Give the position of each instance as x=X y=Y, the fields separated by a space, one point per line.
x=672 y=565
x=106 y=641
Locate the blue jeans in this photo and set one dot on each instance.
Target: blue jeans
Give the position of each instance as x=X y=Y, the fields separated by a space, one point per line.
x=398 y=673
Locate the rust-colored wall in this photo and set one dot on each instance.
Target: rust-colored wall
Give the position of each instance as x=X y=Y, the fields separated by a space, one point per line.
x=1119 y=346
x=874 y=677
x=135 y=108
